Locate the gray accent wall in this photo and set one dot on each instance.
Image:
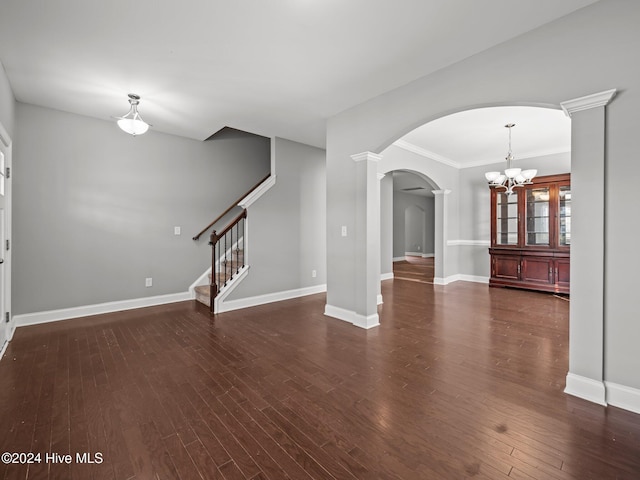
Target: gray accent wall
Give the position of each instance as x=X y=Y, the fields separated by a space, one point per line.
x=286 y=226
x=7 y=103
x=386 y=225
x=589 y=51
x=95 y=209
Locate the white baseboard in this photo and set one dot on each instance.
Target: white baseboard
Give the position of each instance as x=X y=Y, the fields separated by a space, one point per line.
x=586 y=388
x=221 y=298
x=386 y=276
x=366 y=322
x=622 y=396
x=4 y=348
x=86 y=310
x=230 y=305
x=379 y=299
x=202 y=280
x=399 y=259
x=352 y=317
x=473 y=278
x=10 y=333
x=460 y=277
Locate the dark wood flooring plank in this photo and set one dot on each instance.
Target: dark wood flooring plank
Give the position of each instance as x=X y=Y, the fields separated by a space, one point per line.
x=460 y=381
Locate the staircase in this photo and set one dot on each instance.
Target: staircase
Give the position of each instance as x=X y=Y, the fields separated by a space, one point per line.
x=226 y=271
x=228 y=251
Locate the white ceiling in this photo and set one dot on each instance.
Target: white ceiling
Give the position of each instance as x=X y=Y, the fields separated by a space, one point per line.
x=269 y=67
x=479 y=137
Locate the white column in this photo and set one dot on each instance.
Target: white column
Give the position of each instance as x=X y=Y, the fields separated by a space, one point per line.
x=586 y=318
x=367 y=238
x=440 y=241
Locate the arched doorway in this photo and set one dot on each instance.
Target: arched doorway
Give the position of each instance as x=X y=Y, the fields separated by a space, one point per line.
x=454 y=151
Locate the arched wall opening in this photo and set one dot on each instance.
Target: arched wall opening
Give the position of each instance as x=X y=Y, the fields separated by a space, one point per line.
x=407 y=220
x=588 y=132
x=543 y=70
x=454 y=151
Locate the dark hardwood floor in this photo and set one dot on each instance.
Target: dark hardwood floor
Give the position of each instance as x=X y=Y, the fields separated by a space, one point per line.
x=458 y=382
x=415 y=269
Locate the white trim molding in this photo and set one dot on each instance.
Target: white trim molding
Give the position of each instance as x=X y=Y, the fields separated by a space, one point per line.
x=250 y=199
x=478 y=243
x=460 y=277
x=359 y=157
x=97 y=309
x=623 y=397
x=419 y=254
x=423 y=152
x=237 y=304
x=5 y=138
x=594 y=100
x=386 y=276
x=352 y=317
x=586 y=388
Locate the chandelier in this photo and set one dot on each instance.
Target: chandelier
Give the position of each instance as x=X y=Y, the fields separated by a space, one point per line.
x=132 y=122
x=512 y=177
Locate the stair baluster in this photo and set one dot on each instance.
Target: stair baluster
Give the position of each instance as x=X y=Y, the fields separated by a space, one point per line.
x=222 y=270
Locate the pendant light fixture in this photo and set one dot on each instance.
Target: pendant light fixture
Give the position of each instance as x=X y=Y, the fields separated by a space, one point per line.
x=512 y=177
x=132 y=122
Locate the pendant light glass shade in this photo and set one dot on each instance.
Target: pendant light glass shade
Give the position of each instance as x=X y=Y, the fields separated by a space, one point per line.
x=512 y=177
x=132 y=122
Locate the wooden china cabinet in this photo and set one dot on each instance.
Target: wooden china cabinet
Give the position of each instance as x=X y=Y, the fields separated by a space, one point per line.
x=531 y=235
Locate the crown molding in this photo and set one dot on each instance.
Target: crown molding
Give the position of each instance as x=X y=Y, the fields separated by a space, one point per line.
x=594 y=100
x=359 y=157
x=478 y=163
x=410 y=147
x=536 y=154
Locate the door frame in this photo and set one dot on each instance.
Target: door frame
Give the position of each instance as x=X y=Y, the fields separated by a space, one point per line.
x=6 y=146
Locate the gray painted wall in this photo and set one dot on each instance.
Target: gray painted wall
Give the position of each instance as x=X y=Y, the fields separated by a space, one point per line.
x=413 y=224
x=7 y=103
x=589 y=51
x=286 y=226
x=94 y=208
x=386 y=224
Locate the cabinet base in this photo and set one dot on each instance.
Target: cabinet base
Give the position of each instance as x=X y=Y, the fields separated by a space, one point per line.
x=528 y=286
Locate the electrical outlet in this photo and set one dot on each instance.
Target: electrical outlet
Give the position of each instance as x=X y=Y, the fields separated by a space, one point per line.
x=176 y=230
x=314 y=274
x=148 y=282
x=344 y=230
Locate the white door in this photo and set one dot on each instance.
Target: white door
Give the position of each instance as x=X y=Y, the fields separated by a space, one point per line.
x=3 y=329
x=5 y=232
x=3 y=323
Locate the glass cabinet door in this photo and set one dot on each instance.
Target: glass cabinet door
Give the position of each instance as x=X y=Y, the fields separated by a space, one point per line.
x=537 y=216
x=564 y=215
x=506 y=218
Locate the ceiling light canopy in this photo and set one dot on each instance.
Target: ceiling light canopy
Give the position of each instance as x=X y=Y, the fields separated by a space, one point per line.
x=132 y=122
x=512 y=177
